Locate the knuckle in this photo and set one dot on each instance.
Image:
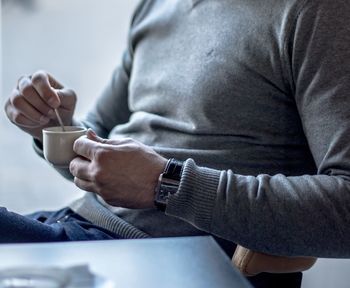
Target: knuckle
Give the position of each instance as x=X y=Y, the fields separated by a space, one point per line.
x=39 y=77
x=16 y=117
x=71 y=93
x=72 y=167
x=68 y=98
x=98 y=176
x=77 y=145
x=14 y=93
x=25 y=87
x=128 y=140
x=16 y=100
x=21 y=80
x=101 y=154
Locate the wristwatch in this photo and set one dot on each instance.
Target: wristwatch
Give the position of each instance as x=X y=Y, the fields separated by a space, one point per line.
x=168 y=183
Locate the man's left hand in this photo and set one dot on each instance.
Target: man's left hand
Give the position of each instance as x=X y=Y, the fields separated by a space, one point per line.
x=123 y=172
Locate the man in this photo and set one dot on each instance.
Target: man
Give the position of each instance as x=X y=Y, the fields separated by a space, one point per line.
x=249 y=97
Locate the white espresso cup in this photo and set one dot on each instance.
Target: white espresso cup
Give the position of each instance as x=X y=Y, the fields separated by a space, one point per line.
x=58 y=144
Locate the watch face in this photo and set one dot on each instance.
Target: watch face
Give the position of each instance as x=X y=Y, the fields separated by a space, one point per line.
x=165 y=191
x=165 y=188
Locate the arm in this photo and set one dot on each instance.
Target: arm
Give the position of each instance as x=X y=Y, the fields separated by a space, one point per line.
x=276 y=214
x=111 y=108
x=301 y=215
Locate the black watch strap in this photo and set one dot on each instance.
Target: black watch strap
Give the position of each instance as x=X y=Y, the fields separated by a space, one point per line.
x=173 y=169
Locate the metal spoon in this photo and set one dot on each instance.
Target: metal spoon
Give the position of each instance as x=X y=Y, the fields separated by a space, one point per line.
x=60 y=120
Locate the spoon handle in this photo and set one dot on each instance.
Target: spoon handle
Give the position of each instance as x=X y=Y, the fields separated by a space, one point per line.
x=59 y=120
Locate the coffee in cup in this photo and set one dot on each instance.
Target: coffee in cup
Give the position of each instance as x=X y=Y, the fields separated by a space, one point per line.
x=58 y=144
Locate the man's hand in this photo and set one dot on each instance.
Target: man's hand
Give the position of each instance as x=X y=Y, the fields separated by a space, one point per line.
x=31 y=104
x=124 y=172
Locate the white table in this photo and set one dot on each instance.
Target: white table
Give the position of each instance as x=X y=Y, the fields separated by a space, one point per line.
x=166 y=262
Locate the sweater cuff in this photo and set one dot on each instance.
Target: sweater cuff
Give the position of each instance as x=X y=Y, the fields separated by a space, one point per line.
x=195 y=200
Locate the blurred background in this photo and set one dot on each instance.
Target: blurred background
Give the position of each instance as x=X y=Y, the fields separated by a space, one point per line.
x=79 y=42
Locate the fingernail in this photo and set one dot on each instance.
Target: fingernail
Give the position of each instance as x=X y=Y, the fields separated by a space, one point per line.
x=92 y=132
x=44 y=119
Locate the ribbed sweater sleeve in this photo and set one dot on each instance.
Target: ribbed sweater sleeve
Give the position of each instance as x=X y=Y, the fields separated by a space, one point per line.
x=282 y=214
x=196 y=198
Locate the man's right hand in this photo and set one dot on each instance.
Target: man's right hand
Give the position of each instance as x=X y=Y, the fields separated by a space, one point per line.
x=32 y=103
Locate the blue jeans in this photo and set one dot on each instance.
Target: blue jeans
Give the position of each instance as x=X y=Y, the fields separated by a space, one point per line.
x=65 y=225
x=62 y=225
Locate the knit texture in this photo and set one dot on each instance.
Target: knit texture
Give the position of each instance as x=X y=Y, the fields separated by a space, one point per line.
x=196 y=196
x=257 y=92
x=92 y=210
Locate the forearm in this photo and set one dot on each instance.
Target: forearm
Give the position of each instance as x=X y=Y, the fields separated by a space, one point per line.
x=302 y=215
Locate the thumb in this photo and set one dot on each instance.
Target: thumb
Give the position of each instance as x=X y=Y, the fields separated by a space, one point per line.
x=90 y=134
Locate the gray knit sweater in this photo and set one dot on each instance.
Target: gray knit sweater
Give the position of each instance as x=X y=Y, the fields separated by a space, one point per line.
x=253 y=95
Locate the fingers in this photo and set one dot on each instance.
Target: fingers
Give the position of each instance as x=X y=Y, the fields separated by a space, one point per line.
x=85 y=185
x=26 y=90
x=80 y=167
x=90 y=134
x=53 y=82
x=86 y=147
x=18 y=118
x=26 y=102
x=32 y=107
x=52 y=92
x=45 y=85
x=32 y=101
